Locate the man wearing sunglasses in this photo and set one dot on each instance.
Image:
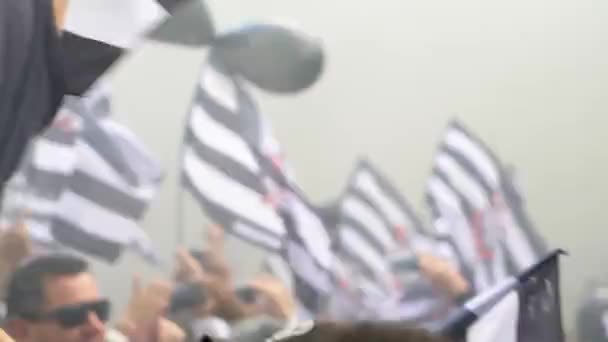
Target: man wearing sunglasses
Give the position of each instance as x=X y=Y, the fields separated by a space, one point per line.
x=55 y=298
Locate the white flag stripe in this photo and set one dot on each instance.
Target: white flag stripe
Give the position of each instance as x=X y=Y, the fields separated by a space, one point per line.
x=463 y=183
x=134 y=151
x=96 y=220
x=39 y=231
x=442 y=193
x=228 y=194
x=357 y=245
x=460 y=231
x=518 y=244
x=53 y=157
x=360 y=212
x=499 y=264
x=253 y=235
x=39 y=205
x=91 y=163
x=366 y=182
x=312 y=231
x=456 y=224
x=115 y=22
x=221 y=89
x=481 y=303
x=473 y=152
x=213 y=134
x=498 y=324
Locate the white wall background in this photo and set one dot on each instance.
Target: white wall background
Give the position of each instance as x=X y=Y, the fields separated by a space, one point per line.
x=530 y=77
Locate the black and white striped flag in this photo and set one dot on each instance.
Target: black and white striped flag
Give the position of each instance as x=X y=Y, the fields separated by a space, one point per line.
x=89 y=182
x=219 y=166
x=467 y=198
x=524 y=308
x=375 y=221
x=233 y=167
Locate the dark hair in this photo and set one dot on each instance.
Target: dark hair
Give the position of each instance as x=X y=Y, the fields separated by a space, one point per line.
x=362 y=332
x=25 y=294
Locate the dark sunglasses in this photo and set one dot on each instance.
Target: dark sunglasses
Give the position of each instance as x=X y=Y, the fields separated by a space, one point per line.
x=74 y=315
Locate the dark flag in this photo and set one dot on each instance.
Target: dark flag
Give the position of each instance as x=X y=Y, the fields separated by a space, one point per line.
x=526 y=308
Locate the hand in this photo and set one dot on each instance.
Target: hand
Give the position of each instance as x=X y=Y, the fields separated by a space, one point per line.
x=215 y=239
x=146 y=305
x=15 y=244
x=442 y=274
x=169 y=331
x=216 y=257
x=188 y=269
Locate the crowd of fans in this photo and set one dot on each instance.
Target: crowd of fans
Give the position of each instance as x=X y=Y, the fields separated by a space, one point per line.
x=54 y=296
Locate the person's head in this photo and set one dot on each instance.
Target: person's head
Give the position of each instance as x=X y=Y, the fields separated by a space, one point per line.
x=354 y=332
x=54 y=298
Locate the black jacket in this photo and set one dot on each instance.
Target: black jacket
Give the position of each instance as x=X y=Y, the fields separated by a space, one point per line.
x=31 y=78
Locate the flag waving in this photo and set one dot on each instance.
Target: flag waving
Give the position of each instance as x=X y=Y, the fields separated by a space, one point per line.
x=219 y=166
x=472 y=201
x=89 y=181
x=525 y=308
x=374 y=221
x=233 y=166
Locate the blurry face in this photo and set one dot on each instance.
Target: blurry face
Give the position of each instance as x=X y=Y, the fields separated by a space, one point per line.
x=71 y=304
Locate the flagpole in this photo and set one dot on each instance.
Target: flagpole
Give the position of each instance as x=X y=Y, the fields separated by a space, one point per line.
x=179 y=203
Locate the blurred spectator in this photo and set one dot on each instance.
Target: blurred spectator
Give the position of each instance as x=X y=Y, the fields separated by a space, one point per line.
x=255 y=310
x=354 y=332
x=143 y=321
x=55 y=298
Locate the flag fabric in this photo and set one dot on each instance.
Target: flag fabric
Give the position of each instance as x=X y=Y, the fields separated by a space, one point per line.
x=308 y=246
x=97 y=33
x=219 y=167
x=233 y=166
x=89 y=182
x=375 y=221
x=466 y=193
x=524 y=308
